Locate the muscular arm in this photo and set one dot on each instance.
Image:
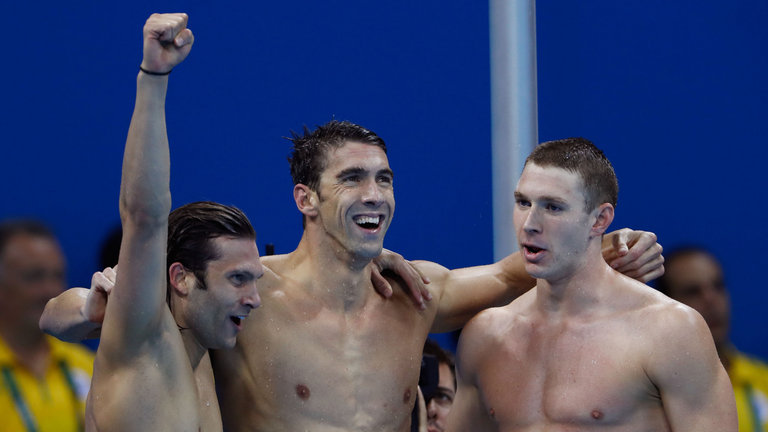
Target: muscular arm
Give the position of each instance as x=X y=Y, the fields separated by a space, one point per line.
x=695 y=390
x=467 y=412
x=462 y=293
x=64 y=319
x=137 y=303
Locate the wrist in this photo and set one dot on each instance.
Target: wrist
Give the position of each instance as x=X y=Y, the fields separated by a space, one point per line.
x=154 y=73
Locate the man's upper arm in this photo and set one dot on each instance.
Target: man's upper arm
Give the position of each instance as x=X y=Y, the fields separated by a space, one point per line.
x=467 y=412
x=462 y=293
x=695 y=390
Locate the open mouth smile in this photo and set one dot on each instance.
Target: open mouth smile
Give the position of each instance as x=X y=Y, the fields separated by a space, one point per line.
x=368 y=222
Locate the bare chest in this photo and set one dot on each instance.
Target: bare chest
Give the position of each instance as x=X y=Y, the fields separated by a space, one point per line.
x=584 y=375
x=345 y=371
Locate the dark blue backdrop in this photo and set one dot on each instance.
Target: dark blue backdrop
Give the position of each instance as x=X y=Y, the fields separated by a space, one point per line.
x=673 y=92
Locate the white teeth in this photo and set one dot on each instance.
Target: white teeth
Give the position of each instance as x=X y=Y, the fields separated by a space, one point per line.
x=367 y=220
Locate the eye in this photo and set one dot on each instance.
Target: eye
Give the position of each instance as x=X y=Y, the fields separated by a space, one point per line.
x=351 y=178
x=554 y=208
x=385 y=179
x=238 y=279
x=522 y=202
x=443 y=398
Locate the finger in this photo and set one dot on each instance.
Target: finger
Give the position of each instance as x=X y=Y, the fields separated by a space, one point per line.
x=110 y=273
x=184 y=38
x=648 y=271
x=413 y=280
x=381 y=285
x=620 y=241
x=638 y=255
x=425 y=293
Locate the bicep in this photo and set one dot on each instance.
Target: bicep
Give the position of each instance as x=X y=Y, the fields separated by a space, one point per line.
x=468 y=412
x=695 y=390
x=137 y=302
x=467 y=291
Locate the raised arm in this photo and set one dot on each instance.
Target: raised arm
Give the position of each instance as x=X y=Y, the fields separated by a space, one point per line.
x=137 y=303
x=462 y=293
x=695 y=390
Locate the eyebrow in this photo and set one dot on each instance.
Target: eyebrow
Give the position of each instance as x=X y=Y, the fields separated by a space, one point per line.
x=545 y=198
x=360 y=170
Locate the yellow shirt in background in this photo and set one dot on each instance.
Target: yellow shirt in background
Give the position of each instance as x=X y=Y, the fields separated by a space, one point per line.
x=54 y=404
x=749 y=377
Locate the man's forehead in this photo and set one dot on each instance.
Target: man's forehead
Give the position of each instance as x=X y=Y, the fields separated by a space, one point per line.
x=356 y=154
x=549 y=180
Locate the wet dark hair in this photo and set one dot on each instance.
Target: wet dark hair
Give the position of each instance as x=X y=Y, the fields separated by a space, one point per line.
x=580 y=156
x=310 y=150
x=191 y=228
x=433 y=348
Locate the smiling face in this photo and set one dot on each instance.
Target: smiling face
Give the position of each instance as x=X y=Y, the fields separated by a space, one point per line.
x=552 y=224
x=355 y=199
x=216 y=314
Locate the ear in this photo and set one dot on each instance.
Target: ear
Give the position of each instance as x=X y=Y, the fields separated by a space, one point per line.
x=306 y=199
x=178 y=279
x=603 y=218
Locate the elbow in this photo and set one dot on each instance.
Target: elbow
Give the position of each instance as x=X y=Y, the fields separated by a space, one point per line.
x=149 y=212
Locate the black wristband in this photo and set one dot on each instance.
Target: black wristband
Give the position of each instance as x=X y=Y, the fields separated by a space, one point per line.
x=154 y=73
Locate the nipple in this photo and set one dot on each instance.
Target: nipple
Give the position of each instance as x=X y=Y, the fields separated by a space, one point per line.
x=407 y=396
x=302 y=391
x=597 y=414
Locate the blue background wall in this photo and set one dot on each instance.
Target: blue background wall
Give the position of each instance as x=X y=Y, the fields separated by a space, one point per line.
x=675 y=93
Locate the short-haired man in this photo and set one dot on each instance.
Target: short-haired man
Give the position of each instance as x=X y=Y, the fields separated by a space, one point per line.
x=43 y=382
x=695 y=277
x=326 y=352
x=588 y=348
x=152 y=371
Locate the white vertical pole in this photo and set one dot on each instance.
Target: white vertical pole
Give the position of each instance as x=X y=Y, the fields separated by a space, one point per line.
x=514 y=119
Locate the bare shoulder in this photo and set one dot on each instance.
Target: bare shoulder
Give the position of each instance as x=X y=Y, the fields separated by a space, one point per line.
x=495 y=327
x=431 y=269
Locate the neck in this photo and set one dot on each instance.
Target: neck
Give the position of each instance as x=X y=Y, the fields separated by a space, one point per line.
x=195 y=351
x=338 y=278
x=577 y=292
x=30 y=348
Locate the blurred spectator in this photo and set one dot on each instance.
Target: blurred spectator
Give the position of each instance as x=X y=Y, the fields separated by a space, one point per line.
x=43 y=381
x=695 y=277
x=439 y=403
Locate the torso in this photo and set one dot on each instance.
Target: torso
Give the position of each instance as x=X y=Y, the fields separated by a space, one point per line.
x=300 y=365
x=157 y=390
x=587 y=373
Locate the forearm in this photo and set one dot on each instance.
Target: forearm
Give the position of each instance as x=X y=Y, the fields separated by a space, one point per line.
x=145 y=187
x=63 y=317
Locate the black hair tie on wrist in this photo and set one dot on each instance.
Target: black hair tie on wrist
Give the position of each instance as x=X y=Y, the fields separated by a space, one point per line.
x=154 y=73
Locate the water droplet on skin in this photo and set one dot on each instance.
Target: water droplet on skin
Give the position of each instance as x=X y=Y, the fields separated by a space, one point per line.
x=207 y=403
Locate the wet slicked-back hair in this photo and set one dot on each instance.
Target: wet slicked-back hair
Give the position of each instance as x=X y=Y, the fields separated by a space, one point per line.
x=580 y=156
x=191 y=228
x=310 y=150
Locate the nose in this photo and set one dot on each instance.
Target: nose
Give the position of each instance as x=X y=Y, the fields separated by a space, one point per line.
x=371 y=192
x=252 y=299
x=531 y=221
x=431 y=409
